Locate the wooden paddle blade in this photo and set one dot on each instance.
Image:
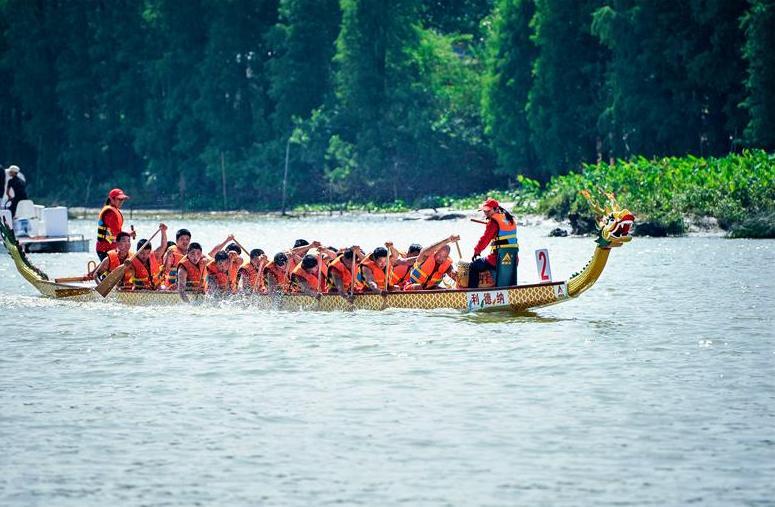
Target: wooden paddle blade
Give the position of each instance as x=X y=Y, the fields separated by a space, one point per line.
x=68 y=293
x=110 y=281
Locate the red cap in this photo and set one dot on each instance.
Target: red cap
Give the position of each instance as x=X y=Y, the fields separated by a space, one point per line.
x=117 y=193
x=489 y=204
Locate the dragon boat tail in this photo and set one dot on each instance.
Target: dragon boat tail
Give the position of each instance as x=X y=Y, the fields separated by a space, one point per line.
x=614 y=225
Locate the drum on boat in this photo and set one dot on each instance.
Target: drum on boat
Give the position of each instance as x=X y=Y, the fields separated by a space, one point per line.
x=486 y=279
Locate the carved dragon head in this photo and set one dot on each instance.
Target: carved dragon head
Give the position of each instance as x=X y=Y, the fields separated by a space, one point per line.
x=614 y=222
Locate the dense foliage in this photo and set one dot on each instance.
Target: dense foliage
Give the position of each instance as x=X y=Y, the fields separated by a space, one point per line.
x=200 y=104
x=734 y=189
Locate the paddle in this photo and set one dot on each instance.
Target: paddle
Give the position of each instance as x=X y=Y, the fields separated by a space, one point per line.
x=352 y=273
x=479 y=221
x=115 y=276
x=387 y=272
x=320 y=271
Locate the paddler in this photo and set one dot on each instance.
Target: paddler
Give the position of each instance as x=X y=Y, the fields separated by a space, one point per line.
x=251 y=274
x=402 y=263
x=115 y=257
x=174 y=255
x=145 y=270
x=432 y=264
x=372 y=271
x=218 y=274
x=191 y=271
x=235 y=264
x=501 y=231
x=109 y=222
x=339 y=279
x=276 y=274
x=304 y=277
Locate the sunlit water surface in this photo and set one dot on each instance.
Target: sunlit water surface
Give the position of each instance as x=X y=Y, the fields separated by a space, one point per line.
x=657 y=387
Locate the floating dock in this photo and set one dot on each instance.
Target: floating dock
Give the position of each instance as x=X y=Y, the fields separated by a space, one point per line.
x=55 y=244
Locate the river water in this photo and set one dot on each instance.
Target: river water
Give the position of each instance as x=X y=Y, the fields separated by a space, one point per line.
x=656 y=387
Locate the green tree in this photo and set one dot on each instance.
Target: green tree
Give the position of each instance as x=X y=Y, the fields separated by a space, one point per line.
x=172 y=138
x=567 y=94
x=378 y=90
x=759 y=25
x=663 y=53
x=233 y=105
x=301 y=74
x=507 y=82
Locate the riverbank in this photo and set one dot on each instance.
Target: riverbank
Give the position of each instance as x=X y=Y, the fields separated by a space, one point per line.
x=672 y=196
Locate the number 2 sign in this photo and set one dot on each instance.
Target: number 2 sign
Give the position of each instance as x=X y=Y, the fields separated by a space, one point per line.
x=542 y=263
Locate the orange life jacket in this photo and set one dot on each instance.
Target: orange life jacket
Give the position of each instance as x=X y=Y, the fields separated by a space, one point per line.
x=114 y=262
x=233 y=272
x=104 y=234
x=172 y=274
x=429 y=275
x=400 y=274
x=249 y=274
x=195 y=273
x=376 y=272
x=222 y=282
x=507 y=233
x=337 y=266
x=278 y=274
x=142 y=279
x=297 y=274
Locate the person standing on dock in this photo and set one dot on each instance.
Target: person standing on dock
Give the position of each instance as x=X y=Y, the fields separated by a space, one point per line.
x=15 y=187
x=109 y=222
x=501 y=231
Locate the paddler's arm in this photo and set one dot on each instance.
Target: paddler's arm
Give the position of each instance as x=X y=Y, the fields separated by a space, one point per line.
x=159 y=252
x=220 y=246
x=451 y=273
x=101 y=268
x=369 y=277
x=182 y=277
x=338 y=282
x=358 y=254
x=263 y=261
x=394 y=253
x=432 y=249
x=489 y=234
x=403 y=261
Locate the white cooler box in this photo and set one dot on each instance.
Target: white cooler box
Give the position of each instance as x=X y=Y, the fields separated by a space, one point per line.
x=55 y=220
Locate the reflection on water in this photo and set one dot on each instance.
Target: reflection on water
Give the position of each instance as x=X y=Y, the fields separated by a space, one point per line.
x=655 y=387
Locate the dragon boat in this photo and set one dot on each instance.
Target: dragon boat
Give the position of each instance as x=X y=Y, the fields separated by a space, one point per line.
x=614 y=227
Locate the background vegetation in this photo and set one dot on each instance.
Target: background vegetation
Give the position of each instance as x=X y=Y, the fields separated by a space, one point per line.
x=196 y=104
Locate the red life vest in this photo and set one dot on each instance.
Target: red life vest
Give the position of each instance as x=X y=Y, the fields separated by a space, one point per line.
x=221 y=279
x=106 y=238
x=142 y=279
x=195 y=273
x=429 y=275
x=299 y=274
